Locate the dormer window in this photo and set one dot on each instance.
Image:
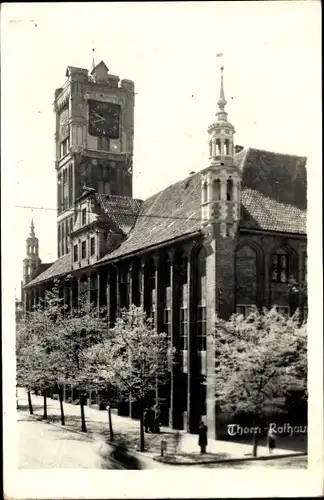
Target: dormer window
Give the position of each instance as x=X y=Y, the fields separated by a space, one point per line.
x=84 y=216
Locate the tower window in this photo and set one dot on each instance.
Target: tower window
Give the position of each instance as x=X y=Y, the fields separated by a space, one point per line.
x=216 y=189
x=83 y=249
x=92 y=246
x=279 y=268
x=103 y=144
x=210 y=148
x=204 y=192
x=75 y=253
x=229 y=190
x=84 y=216
x=65 y=147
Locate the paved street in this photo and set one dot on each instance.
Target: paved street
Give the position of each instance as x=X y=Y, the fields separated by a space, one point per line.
x=48 y=444
x=43 y=445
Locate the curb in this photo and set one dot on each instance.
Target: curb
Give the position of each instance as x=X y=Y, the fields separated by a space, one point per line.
x=91 y=436
x=157 y=458
x=232 y=460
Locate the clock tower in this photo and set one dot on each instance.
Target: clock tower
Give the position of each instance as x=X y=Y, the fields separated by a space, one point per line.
x=94 y=134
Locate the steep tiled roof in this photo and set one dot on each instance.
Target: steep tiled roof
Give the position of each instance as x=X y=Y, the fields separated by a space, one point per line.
x=261 y=212
x=59 y=267
x=172 y=213
x=122 y=210
x=273 y=199
x=277 y=176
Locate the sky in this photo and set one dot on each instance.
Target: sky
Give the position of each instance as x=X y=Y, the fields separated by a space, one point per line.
x=272 y=81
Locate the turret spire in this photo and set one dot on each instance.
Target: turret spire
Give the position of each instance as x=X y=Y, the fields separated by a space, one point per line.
x=221 y=114
x=32 y=228
x=93 y=61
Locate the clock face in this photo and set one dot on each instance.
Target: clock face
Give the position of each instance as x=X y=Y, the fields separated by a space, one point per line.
x=64 y=123
x=104 y=119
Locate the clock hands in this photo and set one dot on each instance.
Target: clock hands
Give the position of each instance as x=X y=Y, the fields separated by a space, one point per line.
x=99 y=117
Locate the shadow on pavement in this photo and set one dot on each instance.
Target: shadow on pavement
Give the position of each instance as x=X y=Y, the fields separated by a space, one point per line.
x=26 y=408
x=122 y=457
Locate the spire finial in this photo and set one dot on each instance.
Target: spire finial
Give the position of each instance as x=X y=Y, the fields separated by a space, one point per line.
x=93 y=59
x=222 y=115
x=222 y=101
x=32 y=228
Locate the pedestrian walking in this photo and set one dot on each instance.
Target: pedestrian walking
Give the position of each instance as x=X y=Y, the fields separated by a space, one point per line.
x=157 y=414
x=150 y=420
x=202 y=442
x=146 y=420
x=271 y=439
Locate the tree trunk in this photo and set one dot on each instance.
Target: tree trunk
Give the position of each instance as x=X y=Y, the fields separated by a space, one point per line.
x=255 y=437
x=110 y=424
x=31 y=410
x=61 y=405
x=142 y=443
x=45 y=405
x=83 y=422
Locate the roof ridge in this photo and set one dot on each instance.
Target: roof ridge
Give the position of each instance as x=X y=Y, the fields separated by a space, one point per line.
x=276 y=153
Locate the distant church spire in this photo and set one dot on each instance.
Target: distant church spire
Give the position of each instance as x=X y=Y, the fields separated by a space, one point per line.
x=221 y=114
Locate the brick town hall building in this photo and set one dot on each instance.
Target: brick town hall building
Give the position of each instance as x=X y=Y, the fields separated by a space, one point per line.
x=227 y=237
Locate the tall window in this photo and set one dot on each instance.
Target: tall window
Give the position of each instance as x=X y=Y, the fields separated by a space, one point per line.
x=92 y=246
x=59 y=240
x=167 y=322
x=201 y=328
x=216 y=189
x=66 y=236
x=210 y=148
x=229 y=190
x=204 y=193
x=201 y=298
x=183 y=328
x=106 y=187
x=279 y=268
x=84 y=216
x=65 y=190
x=63 y=239
x=75 y=253
x=65 y=147
x=103 y=144
x=83 y=249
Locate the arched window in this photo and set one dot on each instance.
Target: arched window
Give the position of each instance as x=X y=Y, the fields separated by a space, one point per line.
x=210 y=148
x=229 y=190
x=216 y=189
x=204 y=192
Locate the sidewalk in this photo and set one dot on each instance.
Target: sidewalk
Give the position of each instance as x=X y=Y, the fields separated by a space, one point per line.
x=126 y=434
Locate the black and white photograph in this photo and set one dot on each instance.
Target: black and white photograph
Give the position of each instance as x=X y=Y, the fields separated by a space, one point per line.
x=162 y=249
